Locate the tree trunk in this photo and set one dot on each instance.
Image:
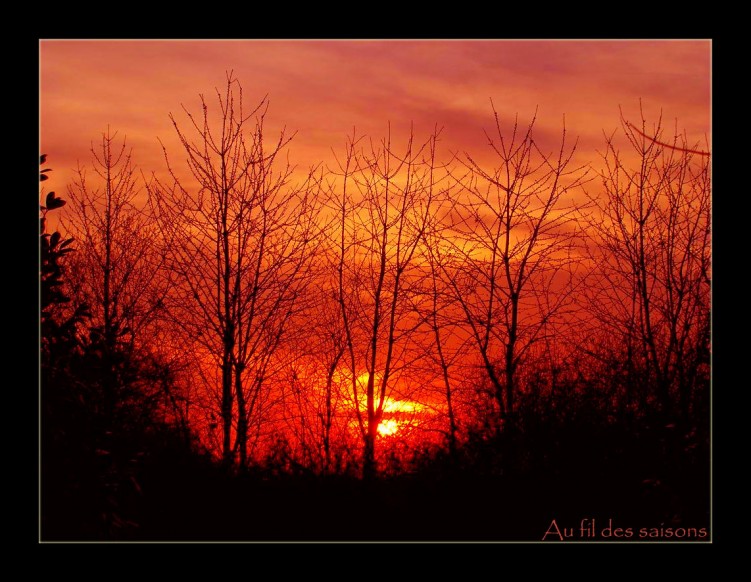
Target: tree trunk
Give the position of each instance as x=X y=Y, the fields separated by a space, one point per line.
x=227 y=408
x=241 y=440
x=449 y=405
x=369 y=466
x=510 y=356
x=327 y=428
x=509 y=388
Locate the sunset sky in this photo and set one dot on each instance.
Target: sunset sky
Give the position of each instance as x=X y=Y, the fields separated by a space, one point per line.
x=322 y=89
x=406 y=341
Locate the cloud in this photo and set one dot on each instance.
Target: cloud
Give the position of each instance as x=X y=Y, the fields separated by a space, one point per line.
x=322 y=89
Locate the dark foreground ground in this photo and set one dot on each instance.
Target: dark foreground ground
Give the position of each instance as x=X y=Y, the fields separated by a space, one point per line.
x=612 y=484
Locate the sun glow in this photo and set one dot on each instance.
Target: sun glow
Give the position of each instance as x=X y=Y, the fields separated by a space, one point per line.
x=398 y=413
x=404 y=406
x=390 y=405
x=388 y=427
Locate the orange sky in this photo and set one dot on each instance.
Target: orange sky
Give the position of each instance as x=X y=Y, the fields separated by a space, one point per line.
x=324 y=88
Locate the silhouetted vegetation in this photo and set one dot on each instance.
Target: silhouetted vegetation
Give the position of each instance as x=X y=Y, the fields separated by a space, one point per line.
x=398 y=348
x=101 y=420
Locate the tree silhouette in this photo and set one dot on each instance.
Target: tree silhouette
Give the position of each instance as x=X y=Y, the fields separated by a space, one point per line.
x=59 y=326
x=515 y=235
x=238 y=241
x=118 y=262
x=314 y=402
x=52 y=250
x=652 y=235
x=383 y=205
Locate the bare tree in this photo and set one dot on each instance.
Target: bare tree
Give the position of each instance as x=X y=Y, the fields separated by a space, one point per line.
x=332 y=346
x=128 y=384
x=116 y=241
x=447 y=347
x=239 y=237
x=314 y=404
x=651 y=235
x=383 y=207
x=514 y=233
x=118 y=262
x=443 y=360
